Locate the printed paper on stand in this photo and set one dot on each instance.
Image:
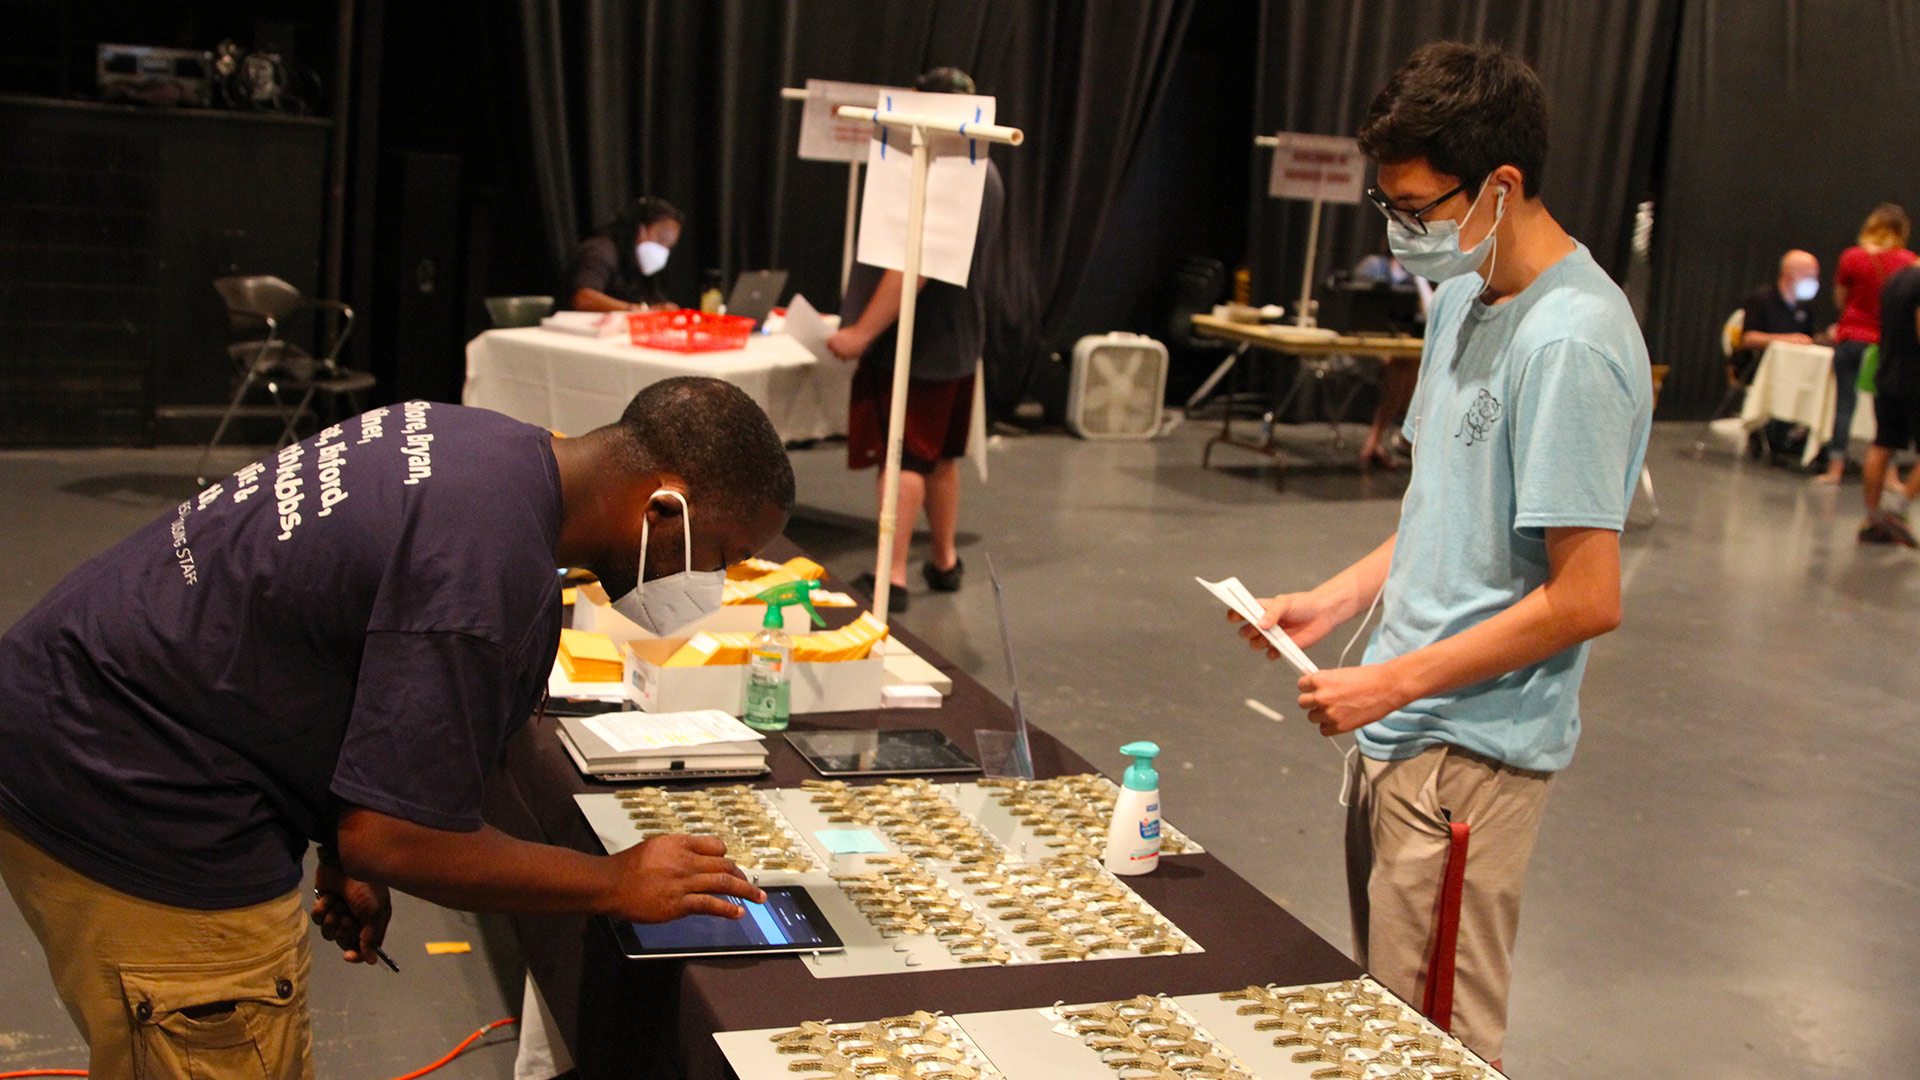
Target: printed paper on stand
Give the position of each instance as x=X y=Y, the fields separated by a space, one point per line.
x=956 y=183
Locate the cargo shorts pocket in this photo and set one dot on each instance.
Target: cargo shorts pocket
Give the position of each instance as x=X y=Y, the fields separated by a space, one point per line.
x=218 y=1020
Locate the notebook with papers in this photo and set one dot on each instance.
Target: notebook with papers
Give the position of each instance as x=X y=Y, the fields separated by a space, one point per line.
x=662 y=746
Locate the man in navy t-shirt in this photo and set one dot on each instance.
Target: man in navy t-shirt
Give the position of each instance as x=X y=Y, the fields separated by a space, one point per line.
x=332 y=645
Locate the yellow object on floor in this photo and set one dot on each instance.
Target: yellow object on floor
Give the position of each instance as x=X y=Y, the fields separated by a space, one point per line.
x=589 y=657
x=443 y=948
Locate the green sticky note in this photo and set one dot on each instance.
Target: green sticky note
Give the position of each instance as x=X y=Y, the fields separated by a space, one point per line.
x=850 y=842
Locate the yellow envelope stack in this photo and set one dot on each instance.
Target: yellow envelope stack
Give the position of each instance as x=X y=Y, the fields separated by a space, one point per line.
x=748 y=569
x=587 y=657
x=712 y=648
x=747 y=579
x=855 y=641
x=748 y=591
x=852 y=642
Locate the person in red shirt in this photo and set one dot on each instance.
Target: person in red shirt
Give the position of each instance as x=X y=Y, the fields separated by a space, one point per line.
x=1863 y=269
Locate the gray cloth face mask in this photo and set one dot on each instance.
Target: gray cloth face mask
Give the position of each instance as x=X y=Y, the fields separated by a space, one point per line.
x=666 y=604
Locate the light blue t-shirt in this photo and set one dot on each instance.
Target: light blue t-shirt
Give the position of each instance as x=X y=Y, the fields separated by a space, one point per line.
x=1529 y=414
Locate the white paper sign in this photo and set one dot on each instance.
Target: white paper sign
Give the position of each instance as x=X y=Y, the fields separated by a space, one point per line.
x=824 y=136
x=805 y=326
x=956 y=182
x=1325 y=167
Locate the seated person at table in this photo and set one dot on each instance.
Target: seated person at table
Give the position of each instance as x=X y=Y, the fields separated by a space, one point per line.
x=1779 y=311
x=617 y=268
x=332 y=646
x=1896 y=406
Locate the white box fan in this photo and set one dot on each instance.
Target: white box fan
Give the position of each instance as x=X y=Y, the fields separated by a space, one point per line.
x=1119 y=382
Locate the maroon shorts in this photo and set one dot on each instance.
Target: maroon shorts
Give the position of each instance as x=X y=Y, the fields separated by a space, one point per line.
x=939 y=415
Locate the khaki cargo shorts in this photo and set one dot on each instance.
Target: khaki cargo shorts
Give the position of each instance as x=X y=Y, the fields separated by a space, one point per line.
x=164 y=992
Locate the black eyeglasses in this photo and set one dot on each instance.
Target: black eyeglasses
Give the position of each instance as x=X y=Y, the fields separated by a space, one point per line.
x=1414 y=220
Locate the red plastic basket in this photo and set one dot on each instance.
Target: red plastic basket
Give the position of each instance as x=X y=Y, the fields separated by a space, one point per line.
x=688 y=331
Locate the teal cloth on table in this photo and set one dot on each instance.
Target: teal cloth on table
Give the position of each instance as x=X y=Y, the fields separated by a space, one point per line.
x=851 y=842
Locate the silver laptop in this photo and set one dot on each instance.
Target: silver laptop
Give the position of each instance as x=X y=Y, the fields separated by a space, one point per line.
x=754 y=294
x=596 y=759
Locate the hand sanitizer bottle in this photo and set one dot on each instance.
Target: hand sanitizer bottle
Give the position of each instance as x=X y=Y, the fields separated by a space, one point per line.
x=770 y=659
x=1133 y=840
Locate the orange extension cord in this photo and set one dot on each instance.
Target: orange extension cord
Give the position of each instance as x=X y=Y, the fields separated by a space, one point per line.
x=415 y=1075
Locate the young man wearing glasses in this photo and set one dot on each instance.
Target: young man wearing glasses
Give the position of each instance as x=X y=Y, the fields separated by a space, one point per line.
x=1529 y=426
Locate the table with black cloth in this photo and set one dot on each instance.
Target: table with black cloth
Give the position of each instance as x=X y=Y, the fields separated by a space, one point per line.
x=621 y=1017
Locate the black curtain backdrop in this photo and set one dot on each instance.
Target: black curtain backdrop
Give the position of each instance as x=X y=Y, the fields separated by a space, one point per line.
x=1754 y=126
x=1791 y=120
x=1604 y=64
x=680 y=99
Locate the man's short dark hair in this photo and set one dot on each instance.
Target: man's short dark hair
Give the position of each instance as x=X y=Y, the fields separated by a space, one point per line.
x=944 y=80
x=716 y=438
x=1466 y=109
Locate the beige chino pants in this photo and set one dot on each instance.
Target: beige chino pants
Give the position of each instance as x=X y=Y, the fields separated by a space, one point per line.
x=1398 y=838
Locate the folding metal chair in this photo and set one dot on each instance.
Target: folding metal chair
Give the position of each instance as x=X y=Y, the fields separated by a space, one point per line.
x=1730 y=334
x=284 y=369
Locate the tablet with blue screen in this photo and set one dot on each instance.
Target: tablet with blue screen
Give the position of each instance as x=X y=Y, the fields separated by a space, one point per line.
x=789 y=922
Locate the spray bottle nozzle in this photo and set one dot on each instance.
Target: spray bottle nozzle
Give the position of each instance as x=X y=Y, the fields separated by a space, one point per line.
x=780 y=597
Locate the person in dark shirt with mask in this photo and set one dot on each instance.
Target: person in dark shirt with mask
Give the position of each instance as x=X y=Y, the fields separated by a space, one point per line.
x=332 y=645
x=617 y=268
x=1779 y=311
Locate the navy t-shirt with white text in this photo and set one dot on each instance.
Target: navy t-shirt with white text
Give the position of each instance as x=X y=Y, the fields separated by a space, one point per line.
x=364 y=617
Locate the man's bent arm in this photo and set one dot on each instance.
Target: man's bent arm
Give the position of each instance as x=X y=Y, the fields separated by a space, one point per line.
x=485 y=870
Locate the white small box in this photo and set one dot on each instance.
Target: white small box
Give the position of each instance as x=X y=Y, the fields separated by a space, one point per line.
x=653 y=687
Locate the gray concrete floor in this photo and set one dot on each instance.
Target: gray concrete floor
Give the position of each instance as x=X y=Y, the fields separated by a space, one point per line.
x=1725 y=886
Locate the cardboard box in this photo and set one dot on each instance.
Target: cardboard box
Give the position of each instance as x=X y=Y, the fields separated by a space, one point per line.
x=654 y=687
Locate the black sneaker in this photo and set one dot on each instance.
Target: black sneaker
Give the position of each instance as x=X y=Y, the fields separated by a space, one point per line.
x=896 y=597
x=1897 y=529
x=947 y=580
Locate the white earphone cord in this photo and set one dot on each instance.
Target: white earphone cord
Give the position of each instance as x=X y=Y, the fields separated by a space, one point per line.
x=1346 y=756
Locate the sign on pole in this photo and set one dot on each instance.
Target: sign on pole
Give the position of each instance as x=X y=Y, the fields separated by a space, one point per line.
x=1323 y=168
x=826 y=136
x=956 y=183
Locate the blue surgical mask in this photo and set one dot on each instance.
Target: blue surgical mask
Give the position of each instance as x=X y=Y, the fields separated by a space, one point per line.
x=1435 y=254
x=1806 y=289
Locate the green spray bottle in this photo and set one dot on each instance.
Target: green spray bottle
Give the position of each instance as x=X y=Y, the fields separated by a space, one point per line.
x=770 y=657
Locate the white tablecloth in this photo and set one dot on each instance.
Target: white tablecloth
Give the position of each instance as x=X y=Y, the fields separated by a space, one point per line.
x=1795 y=383
x=573 y=384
